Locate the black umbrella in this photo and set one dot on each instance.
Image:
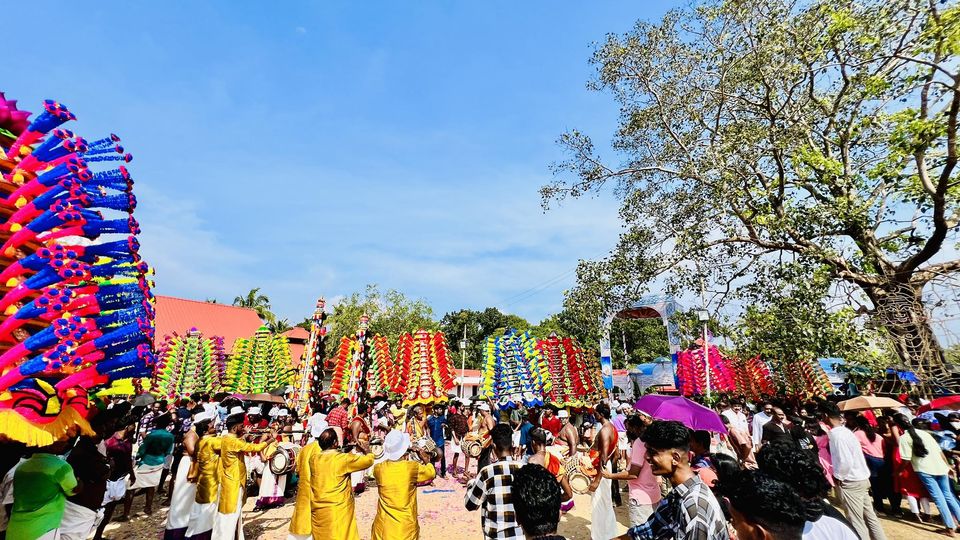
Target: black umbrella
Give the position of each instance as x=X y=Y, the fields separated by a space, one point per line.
x=144 y=400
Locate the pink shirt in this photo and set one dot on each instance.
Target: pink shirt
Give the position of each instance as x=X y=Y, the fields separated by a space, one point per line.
x=644 y=489
x=873 y=449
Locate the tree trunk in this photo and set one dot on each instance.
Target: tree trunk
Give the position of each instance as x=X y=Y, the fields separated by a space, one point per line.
x=901 y=313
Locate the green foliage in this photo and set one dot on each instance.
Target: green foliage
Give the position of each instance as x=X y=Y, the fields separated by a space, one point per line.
x=479 y=325
x=256 y=301
x=279 y=326
x=794 y=321
x=757 y=131
x=391 y=314
x=306 y=324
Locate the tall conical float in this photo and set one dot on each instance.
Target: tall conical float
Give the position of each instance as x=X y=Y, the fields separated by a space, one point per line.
x=424 y=371
x=77 y=309
x=259 y=364
x=189 y=363
x=309 y=389
x=571 y=382
x=362 y=366
x=513 y=373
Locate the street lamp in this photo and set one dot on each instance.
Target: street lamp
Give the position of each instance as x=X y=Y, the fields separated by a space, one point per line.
x=463 y=359
x=704 y=317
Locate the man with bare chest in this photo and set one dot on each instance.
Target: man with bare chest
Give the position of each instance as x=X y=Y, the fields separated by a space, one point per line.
x=487 y=424
x=568 y=432
x=603 y=519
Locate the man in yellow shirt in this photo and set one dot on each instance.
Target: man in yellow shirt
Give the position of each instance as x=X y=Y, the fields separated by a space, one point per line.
x=331 y=504
x=204 y=510
x=232 y=472
x=301 y=527
x=397 y=480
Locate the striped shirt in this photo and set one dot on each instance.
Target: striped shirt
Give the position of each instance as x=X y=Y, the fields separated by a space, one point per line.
x=690 y=512
x=491 y=491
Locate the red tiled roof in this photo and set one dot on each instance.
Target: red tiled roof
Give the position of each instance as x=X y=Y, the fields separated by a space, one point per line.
x=229 y=322
x=296 y=352
x=297 y=333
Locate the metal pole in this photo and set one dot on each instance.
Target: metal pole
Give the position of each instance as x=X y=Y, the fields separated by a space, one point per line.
x=705 y=317
x=706 y=357
x=463 y=360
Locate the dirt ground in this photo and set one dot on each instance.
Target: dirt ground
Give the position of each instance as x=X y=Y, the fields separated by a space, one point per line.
x=441 y=516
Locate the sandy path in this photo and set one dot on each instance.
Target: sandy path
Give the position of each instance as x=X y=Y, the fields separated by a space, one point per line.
x=441 y=516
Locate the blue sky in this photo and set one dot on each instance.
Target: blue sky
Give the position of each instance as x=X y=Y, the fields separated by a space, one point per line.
x=316 y=148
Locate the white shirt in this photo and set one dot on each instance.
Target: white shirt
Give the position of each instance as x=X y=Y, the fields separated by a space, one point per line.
x=827 y=528
x=849 y=465
x=759 y=420
x=738 y=420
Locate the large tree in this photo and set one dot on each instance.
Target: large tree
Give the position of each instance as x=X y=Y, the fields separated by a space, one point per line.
x=479 y=325
x=758 y=131
x=391 y=314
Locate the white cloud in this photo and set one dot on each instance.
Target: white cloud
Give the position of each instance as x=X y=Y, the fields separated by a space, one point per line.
x=300 y=30
x=191 y=260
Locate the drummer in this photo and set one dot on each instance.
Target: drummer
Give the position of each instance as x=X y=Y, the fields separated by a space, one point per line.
x=437 y=422
x=569 y=435
x=358 y=432
x=538 y=439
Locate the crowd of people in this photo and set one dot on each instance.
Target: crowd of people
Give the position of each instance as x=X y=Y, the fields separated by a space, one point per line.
x=769 y=476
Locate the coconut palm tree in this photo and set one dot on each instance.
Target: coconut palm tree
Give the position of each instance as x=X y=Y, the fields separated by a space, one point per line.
x=257 y=302
x=279 y=326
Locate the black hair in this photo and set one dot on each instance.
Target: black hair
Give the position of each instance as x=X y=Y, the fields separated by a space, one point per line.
x=812 y=423
x=919 y=449
x=362 y=408
x=162 y=421
x=538 y=436
x=702 y=438
x=345 y=402
x=667 y=435
x=603 y=410
x=327 y=439
x=861 y=423
x=726 y=466
x=233 y=420
x=830 y=409
x=768 y=502
x=634 y=424
x=800 y=470
x=536 y=499
x=502 y=436
x=201 y=427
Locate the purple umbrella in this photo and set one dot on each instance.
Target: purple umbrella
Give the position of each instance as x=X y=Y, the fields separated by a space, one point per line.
x=693 y=415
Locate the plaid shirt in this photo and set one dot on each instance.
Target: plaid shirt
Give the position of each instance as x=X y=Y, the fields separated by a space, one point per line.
x=337 y=417
x=690 y=512
x=491 y=490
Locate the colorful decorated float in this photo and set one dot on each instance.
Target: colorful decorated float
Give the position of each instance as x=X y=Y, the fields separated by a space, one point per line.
x=362 y=366
x=76 y=305
x=425 y=373
x=513 y=373
x=259 y=364
x=189 y=363
x=573 y=384
x=751 y=378
x=802 y=378
x=309 y=390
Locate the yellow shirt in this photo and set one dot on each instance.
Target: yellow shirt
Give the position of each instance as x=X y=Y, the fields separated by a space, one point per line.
x=332 y=495
x=207 y=479
x=300 y=522
x=397 y=507
x=232 y=470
